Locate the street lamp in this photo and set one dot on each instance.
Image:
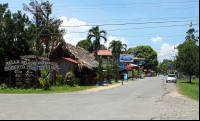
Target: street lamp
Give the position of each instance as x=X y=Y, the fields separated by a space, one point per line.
x=190 y=25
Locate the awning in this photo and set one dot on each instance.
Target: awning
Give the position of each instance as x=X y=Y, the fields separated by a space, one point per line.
x=69 y=59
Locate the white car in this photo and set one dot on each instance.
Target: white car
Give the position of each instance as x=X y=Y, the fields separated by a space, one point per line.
x=171 y=78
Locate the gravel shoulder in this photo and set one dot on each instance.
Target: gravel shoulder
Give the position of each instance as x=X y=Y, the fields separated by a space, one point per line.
x=175 y=106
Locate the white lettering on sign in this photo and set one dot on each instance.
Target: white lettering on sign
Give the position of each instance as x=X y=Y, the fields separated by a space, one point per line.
x=17 y=75
x=11 y=62
x=14 y=67
x=28 y=57
x=17 y=71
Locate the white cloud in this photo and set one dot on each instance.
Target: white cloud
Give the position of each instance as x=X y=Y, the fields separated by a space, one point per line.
x=167 y=51
x=156 y=40
x=74 y=38
x=110 y=38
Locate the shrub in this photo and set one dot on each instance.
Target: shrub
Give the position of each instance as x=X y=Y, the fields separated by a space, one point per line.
x=60 y=80
x=70 y=77
x=45 y=81
x=3 y=86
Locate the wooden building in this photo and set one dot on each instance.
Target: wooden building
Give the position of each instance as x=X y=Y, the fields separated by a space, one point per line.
x=80 y=61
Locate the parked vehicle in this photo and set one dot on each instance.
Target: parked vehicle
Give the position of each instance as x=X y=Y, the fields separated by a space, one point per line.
x=149 y=74
x=171 y=78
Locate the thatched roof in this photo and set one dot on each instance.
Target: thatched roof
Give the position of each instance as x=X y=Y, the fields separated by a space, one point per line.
x=82 y=56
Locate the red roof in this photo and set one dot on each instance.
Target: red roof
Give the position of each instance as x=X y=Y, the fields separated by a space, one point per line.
x=104 y=52
x=69 y=59
x=130 y=66
x=136 y=58
x=145 y=69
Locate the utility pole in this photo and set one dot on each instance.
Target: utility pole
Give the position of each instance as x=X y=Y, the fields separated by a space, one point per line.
x=174 y=65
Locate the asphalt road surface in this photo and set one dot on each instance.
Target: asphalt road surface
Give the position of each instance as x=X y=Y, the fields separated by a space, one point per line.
x=133 y=101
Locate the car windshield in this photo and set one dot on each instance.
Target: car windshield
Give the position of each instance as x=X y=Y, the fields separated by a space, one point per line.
x=171 y=75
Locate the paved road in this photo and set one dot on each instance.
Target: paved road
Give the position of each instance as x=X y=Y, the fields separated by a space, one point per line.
x=132 y=101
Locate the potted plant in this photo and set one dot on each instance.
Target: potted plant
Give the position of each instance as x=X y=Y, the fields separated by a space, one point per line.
x=115 y=71
x=108 y=73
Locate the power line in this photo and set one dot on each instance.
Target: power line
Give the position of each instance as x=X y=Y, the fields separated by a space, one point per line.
x=123 y=4
x=128 y=23
x=119 y=7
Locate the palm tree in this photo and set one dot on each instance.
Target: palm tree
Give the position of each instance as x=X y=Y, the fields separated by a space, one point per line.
x=95 y=33
x=116 y=47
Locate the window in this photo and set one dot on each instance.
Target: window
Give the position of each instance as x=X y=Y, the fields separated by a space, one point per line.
x=171 y=75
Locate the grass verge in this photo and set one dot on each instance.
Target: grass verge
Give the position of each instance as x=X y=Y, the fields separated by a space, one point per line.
x=53 y=89
x=191 y=90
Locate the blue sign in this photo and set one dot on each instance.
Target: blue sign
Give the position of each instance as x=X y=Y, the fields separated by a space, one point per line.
x=142 y=62
x=122 y=65
x=126 y=58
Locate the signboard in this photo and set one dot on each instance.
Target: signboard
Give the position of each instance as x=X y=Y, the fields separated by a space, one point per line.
x=133 y=51
x=126 y=58
x=130 y=74
x=122 y=65
x=169 y=65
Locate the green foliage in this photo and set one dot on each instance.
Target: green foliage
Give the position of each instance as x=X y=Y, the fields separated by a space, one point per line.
x=191 y=36
x=109 y=69
x=116 y=47
x=95 y=33
x=149 y=54
x=60 y=80
x=77 y=80
x=188 y=56
x=100 y=68
x=171 y=72
x=3 y=86
x=86 y=44
x=70 y=77
x=45 y=81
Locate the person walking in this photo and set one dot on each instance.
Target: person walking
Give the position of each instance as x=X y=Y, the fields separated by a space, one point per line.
x=122 y=77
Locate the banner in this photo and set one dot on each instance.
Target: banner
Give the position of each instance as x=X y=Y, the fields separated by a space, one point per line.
x=126 y=58
x=133 y=51
x=122 y=65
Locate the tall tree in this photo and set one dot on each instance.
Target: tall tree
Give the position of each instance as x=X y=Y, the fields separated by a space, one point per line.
x=41 y=13
x=95 y=33
x=190 y=35
x=188 y=58
x=149 y=54
x=116 y=47
x=86 y=44
x=15 y=39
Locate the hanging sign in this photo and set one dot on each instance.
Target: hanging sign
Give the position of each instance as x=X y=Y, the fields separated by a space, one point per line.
x=18 y=79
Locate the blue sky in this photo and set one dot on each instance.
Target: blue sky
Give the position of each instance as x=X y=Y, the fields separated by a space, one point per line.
x=159 y=24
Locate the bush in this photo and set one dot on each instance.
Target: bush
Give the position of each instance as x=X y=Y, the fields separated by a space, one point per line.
x=60 y=80
x=3 y=86
x=45 y=81
x=70 y=77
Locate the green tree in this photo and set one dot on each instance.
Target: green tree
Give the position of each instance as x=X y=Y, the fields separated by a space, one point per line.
x=41 y=14
x=116 y=47
x=86 y=44
x=149 y=54
x=15 y=39
x=100 y=73
x=103 y=47
x=163 y=65
x=95 y=33
x=190 y=35
x=188 y=56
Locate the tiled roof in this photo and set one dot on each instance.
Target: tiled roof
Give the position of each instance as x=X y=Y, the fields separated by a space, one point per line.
x=104 y=52
x=69 y=59
x=136 y=58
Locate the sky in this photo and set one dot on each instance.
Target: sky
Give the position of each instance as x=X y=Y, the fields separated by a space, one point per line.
x=159 y=24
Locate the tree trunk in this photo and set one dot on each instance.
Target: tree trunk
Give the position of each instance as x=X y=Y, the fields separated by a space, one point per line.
x=190 y=79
